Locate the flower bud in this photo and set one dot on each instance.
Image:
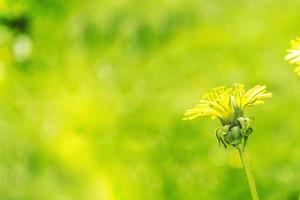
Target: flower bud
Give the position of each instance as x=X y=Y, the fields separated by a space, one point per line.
x=233 y=136
x=235 y=133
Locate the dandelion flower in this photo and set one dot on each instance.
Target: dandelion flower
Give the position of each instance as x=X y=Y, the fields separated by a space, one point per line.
x=293 y=55
x=228 y=105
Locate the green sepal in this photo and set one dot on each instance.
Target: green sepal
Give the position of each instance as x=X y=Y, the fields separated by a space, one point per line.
x=219 y=134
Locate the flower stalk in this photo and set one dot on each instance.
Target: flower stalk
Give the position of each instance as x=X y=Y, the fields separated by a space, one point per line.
x=248 y=173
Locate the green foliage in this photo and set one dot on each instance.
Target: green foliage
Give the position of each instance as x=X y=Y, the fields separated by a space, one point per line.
x=92 y=95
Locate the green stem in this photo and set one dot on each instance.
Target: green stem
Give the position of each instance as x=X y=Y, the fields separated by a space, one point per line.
x=248 y=173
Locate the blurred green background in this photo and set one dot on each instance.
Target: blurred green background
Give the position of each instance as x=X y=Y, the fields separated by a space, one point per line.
x=92 y=95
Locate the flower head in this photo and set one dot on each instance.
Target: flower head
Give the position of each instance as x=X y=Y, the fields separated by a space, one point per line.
x=293 y=55
x=228 y=105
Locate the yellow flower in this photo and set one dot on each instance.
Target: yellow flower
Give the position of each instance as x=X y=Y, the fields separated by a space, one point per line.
x=293 y=55
x=228 y=104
